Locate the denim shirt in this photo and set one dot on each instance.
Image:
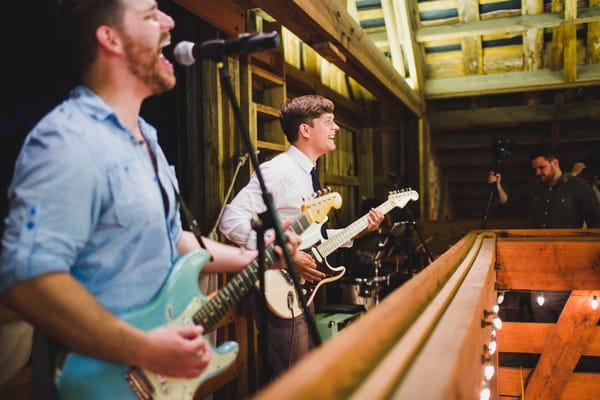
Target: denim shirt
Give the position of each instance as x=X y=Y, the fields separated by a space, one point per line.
x=85 y=199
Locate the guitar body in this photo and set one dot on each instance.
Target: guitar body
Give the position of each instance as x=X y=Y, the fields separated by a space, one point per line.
x=280 y=291
x=282 y=298
x=83 y=377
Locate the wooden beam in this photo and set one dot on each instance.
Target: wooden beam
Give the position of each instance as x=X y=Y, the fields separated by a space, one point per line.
x=533 y=39
x=509 y=82
x=480 y=117
x=404 y=13
x=593 y=38
x=224 y=14
x=563 y=348
x=544 y=265
x=318 y=21
x=394 y=35
x=504 y=25
x=570 y=42
x=468 y=11
x=581 y=386
x=530 y=337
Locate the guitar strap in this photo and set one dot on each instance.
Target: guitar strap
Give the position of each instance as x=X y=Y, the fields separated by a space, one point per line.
x=191 y=220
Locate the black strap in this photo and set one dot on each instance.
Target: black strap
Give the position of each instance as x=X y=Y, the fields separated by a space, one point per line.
x=191 y=220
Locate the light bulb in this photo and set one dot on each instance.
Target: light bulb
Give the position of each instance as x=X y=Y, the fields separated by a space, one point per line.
x=485 y=394
x=540 y=299
x=493 y=333
x=497 y=322
x=492 y=347
x=488 y=371
x=496 y=308
x=500 y=298
x=594 y=303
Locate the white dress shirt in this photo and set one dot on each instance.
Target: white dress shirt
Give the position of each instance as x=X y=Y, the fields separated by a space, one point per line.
x=287 y=178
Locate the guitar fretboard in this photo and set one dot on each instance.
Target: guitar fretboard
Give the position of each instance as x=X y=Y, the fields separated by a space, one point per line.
x=329 y=246
x=213 y=310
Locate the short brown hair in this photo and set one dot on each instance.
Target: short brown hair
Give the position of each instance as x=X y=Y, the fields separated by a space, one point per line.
x=302 y=110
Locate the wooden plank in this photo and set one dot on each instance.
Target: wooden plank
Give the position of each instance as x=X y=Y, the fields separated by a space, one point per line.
x=570 y=42
x=394 y=35
x=468 y=11
x=593 y=37
x=509 y=82
x=473 y=118
x=320 y=21
x=548 y=265
x=404 y=13
x=454 y=348
x=357 y=348
x=533 y=39
x=223 y=14
x=530 y=337
x=512 y=25
x=563 y=348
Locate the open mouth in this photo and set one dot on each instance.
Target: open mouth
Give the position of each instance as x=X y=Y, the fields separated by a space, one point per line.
x=165 y=41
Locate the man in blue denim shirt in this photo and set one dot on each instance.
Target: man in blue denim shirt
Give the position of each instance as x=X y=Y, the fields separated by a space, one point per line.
x=94 y=225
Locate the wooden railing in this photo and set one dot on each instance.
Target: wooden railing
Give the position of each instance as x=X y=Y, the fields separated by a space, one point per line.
x=430 y=338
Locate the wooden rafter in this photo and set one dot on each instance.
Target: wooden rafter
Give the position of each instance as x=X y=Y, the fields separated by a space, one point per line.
x=468 y=11
x=508 y=82
x=593 y=37
x=563 y=348
x=394 y=35
x=321 y=21
x=515 y=24
x=533 y=39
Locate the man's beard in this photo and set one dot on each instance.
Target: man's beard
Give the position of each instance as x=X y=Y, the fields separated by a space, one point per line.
x=144 y=63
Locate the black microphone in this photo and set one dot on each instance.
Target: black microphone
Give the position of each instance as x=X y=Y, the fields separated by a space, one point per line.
x=186 y=53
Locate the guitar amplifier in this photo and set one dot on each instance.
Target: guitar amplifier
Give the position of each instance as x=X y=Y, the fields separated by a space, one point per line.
x=330 y=322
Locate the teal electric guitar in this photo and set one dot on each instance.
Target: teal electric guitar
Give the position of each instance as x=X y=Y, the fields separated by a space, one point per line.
x=179 y=302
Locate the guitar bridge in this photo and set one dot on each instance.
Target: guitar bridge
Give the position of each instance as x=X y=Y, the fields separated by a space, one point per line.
x=140 y=384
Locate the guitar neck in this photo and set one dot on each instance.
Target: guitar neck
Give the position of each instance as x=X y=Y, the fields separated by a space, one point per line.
x=329 y=246
x=213 y=310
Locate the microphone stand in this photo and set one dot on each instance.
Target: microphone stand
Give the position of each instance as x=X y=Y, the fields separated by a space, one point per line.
x=280 y=238
x=241 y=161
x=491 y=194
x=411 y=220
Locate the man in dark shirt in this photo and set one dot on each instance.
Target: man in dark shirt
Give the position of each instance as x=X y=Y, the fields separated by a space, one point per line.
x=555 y=200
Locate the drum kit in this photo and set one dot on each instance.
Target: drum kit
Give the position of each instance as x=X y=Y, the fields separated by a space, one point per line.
x=375 y=265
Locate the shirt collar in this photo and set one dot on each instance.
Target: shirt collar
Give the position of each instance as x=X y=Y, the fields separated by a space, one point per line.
x=300 y=158
x=99 y=110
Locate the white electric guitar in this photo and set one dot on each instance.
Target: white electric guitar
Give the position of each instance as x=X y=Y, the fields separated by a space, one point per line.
x=281 y=296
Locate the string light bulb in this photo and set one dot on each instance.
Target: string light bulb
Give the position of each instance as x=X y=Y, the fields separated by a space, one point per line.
x=500 y=298
x=594 y=303
x=485 y=393
x=491 y=348
x=540 y=299
x=488 y=371
x=497 y=322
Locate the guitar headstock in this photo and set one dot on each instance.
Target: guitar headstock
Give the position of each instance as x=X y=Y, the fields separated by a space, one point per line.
x=400 y=198
x=316 y=209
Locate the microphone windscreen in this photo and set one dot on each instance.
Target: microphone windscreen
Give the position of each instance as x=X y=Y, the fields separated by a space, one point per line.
x=183 y=53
